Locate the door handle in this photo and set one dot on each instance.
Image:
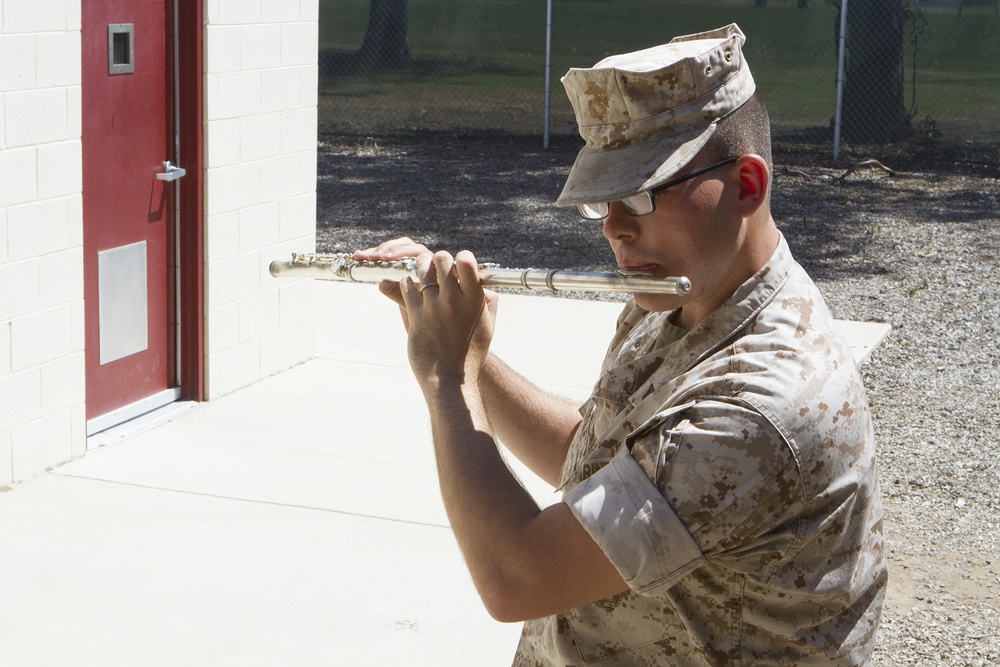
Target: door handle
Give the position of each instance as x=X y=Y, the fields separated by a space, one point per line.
x=170 y=172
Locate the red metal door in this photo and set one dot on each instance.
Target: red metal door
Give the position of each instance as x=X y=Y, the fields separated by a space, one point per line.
x=128 y=224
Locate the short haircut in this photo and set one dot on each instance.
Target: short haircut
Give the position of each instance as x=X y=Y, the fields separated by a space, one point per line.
x=746 y=130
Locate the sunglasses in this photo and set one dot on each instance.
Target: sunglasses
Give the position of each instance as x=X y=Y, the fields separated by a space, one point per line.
x=643 y=203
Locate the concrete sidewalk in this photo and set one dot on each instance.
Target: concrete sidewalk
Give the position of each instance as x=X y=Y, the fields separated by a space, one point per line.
x=294 y=522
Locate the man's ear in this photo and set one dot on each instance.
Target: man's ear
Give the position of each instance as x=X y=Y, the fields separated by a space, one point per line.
x=755 y=180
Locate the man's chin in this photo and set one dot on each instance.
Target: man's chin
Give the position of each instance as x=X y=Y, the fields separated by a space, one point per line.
x=658 y=302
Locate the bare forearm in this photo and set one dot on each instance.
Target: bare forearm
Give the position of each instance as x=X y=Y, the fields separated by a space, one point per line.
x=534 y=425
x=487 y=507
x=525 y=562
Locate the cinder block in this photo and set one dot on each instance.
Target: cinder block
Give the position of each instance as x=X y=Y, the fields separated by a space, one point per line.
x=34 y=16
x=234 y=187
x=18 y=176
x=41 y=337
x=3 y=236
x=299 y=44
x=260 y=46
x=280 y=12
x=309 y=85
x=21 y=397
x=233 y=368
x=286 y=348
x=299 y=130
x=222 y=48
x=298 y=217
x=37 y=228
x=4 y=349
x=58 y=56
x=259 y=227
x=74 y=219
x=261 y=136
x=309 y=10
x=17 y=53
x=239 y=11
x=60 y=277
x=212 y=104
x=238 y=94
x=63 y=383
x=298 y=302
x=6 y=460
x=20 y=292
x=74 y=112
x=223 y=328
x=238 y=278
x=223 y=236
x=289 y=176
x=223 y=143
x=78 y=430
x=259 y=315
x=280 y=89
x=73 y=16
x=60 y=169
x=43 y=443
x=78 y=333
x=36 y=117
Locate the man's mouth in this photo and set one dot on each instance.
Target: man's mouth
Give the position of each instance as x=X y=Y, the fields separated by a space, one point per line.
x=630 y=269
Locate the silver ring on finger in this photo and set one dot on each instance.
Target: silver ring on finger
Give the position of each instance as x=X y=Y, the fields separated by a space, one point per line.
x=426 y=285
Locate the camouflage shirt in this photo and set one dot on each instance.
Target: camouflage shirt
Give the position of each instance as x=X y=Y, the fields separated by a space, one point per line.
x=730 y=477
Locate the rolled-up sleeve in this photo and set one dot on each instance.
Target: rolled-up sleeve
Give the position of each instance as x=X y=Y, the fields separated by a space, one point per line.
x=635 y=526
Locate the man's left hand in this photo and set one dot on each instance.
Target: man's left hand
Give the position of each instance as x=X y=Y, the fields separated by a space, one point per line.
x=450 y=319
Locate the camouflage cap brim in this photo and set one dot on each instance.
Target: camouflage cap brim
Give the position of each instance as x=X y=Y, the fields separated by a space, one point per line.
x=607 y=174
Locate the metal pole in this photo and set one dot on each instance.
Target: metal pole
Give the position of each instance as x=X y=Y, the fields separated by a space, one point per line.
x=841 y=49
x=548 y=70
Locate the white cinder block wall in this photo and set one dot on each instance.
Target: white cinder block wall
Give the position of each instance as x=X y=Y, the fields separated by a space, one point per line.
x=42 y=390
x=261 y=94
x=261 y=78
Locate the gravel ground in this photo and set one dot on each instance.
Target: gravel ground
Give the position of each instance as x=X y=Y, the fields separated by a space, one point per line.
x=917 y=248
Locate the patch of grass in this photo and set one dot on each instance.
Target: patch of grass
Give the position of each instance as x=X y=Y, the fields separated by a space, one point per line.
x=482 y=54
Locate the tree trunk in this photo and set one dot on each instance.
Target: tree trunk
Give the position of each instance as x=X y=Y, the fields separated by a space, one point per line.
x=386 y=45
x=873 y=88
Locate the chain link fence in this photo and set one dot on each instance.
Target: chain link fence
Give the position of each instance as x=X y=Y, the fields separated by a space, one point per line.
x=889 y=73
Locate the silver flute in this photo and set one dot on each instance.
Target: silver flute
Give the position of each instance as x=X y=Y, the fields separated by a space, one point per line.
x=344 y=267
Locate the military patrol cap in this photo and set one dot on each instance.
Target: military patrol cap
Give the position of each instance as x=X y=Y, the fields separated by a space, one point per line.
x=644 y=115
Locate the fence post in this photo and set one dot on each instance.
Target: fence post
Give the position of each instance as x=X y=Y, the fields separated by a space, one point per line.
x=841 y=48
x=548 y=71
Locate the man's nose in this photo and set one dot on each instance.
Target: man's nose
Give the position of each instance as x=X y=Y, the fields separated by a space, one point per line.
x=619 y=225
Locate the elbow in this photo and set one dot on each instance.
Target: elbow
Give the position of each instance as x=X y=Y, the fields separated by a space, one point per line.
x=504 y=610
x=508 y=602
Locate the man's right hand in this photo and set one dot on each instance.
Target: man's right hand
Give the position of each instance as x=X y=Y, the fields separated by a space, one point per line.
x=389 y=251
x=392 y=250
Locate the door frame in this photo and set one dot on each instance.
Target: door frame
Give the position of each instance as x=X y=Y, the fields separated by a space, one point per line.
x=190 y=255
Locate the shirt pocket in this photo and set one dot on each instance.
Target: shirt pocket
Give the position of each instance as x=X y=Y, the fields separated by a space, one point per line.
x=627 y=623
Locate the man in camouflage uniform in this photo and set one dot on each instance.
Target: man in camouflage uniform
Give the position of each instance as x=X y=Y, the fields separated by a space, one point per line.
x=721 y=504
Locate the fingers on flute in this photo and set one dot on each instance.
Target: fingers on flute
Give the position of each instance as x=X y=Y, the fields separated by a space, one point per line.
x=468 y=272
x=392 y=249
x=426 y=270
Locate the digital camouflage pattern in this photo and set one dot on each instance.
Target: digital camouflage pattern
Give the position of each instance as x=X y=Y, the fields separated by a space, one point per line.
x=646 y=114
x=730 y=477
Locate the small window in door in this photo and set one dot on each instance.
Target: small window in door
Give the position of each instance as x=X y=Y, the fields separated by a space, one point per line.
x=120 y=48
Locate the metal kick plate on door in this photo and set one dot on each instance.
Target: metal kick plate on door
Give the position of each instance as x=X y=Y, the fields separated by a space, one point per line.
x=122 y=301
x=121 y=48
